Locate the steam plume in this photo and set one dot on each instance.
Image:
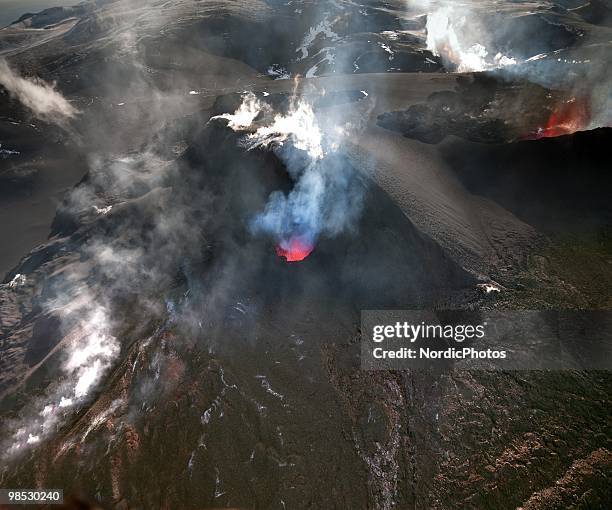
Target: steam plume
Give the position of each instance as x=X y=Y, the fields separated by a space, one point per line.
x=91 y=351
x=449 y=31
x=40 y=97
x=326 y=198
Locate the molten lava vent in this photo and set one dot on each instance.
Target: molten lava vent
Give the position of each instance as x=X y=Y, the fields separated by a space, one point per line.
x=294 y=250
x=567 y=118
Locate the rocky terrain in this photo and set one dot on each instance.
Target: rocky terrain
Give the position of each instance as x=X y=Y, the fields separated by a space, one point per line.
x=158 y=350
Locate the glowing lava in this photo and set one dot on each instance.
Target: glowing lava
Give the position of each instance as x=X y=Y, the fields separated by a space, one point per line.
x=294 y=250
x=569 y=117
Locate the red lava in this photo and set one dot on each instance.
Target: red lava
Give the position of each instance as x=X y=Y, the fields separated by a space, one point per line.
x=294 y=250
x=569 y=117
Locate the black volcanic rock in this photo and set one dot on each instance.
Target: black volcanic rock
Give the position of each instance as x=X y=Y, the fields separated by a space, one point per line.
x=483 y=108
x=53 y=15
x=45 y=335
x=597 y=12
x=519 y=175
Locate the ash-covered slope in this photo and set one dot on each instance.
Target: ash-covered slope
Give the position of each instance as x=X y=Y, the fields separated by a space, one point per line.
x=212 y=331
x=225 y=306
x=201 y=405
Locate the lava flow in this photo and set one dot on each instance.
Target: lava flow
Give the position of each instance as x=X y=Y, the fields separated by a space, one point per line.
x=294 y=250
x=569 y=117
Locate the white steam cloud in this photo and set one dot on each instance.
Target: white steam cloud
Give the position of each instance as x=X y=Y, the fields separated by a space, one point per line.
x=82 y=298
x=299 y=125
x=40 y=97
x=80 y=293
x=91 y=351
x=327 y=197
x=244 y=116
x=450 y=35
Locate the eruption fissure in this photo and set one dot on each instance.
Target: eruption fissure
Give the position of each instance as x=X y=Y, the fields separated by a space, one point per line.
x=567 y=118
